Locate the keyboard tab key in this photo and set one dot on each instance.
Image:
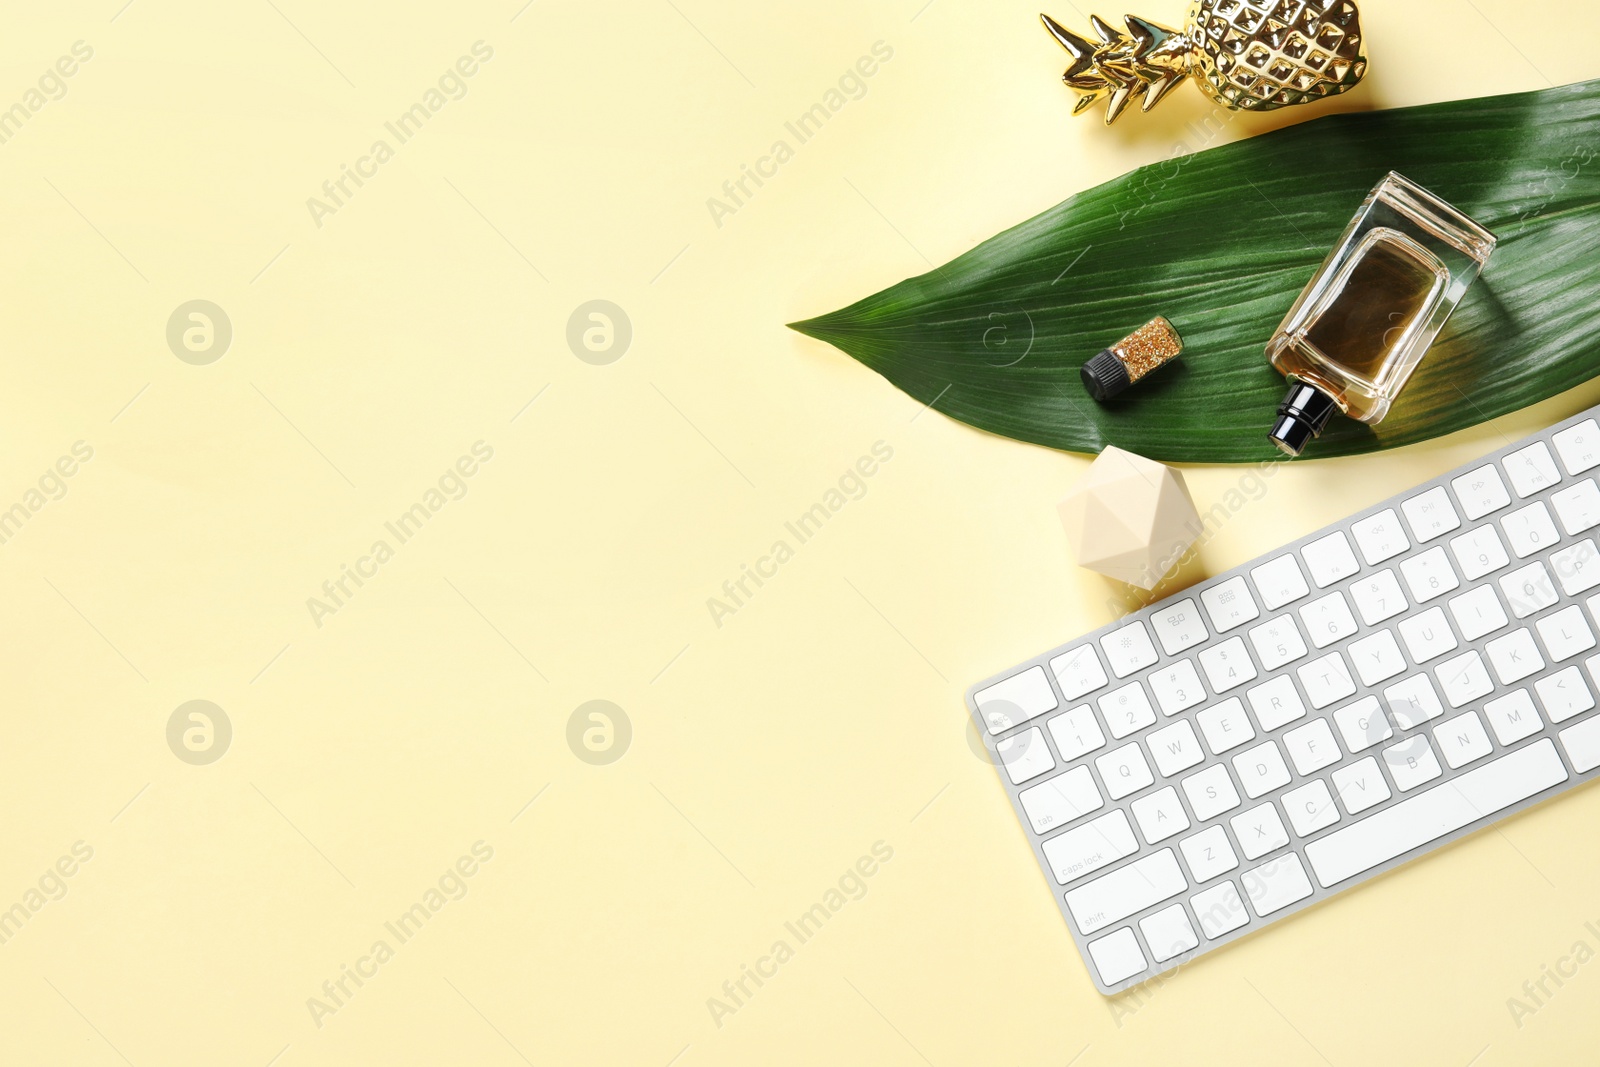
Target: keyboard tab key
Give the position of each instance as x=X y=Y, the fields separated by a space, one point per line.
x=1063 y=799
x=1259 y=831
x=1280 y=582
x=1530 y=529
x=1126 y=891
x=1578 y=507
x=1579 y=446
x=1177 y=687
x=1076 y=733
x=1329 y=559
x=1380 y=537
x=1531 y=469
x=1118 y=957
x=1481 y=492
x=1430 y=515
x=1025 y=756
x=1168 y=933
x=1078 y=672
x=1128 y=649
x=1230 y=605
x=1227 y=665
x=1178 y=627
x=1015 y=700
x=1088 y=848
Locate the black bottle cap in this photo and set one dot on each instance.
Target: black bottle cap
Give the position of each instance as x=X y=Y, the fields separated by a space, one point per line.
x=1303 y=415
x=1105 y=376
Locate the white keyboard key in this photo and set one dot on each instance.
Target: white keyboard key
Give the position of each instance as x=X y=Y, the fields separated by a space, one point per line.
x=1478 y=613
x=1464 y=678
x=1225 y=726
x=1326 y=680
x=1208 y=854
x=1412 y=702
x=1575 y=567
x=1429 y=575
x=1179 y=627
x=1328 y=619
x=1276 y=702
x=1280 y=582
x=1427 y=635
x=1310 y=808
x=1277 y=642
x=1230 y=605
x=1480 y=492
x=1127 y=891
x=1076 y=733
x=1415 y=821
x=1177 y=687
x=1377 y=658
x=1210 y=792
x=1168 y=933
x=1260 y=770
x=1430 y=515
x=1175 y=748
x=1259 y=831
x=1582 y=743
x=1380 y=537
x=1124 y=771
x=1564 y=695
x=1329 y=559
x=1160 y=815
x=1462 y=740
x=1412 y=763
x=1360 y=786
x=1531 y=469
x=1528 y=589
x=1219 y=909
x=1514 y=656
x=1479 y=552
x=1378 y=597
x=1128 y=649
x=1016 y=700
x=1273 y=886
x=1127 y=710
x=1078 y=671
x=1117 y=957
x=1090 y=847
x=1513 y=717
x=1362 y=724
x=1227 y=665
x=1565 y=634
x=1312 y=747
x=1530 y=529
x=1063 y=799
x=1579 y=446
x=1025 y=756
x=1578 y=507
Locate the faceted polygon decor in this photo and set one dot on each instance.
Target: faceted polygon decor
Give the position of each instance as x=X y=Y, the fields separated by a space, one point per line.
x=1130 y=518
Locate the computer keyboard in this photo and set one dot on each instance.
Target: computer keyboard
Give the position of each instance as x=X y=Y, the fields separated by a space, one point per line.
x=1241 y=750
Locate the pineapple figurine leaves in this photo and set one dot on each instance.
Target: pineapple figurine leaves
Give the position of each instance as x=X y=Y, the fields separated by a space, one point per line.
x=1247 y=55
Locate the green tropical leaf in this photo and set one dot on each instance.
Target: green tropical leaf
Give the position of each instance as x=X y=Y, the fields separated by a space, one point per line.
x=1221 y=243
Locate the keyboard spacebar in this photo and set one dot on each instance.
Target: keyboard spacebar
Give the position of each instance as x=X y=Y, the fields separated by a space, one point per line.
x=1440 y=811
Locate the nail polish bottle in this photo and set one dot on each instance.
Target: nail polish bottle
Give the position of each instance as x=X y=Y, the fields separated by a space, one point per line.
x=1369 y=315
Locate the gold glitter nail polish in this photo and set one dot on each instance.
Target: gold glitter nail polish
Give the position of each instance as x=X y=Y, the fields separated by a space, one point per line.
x=1153 y=345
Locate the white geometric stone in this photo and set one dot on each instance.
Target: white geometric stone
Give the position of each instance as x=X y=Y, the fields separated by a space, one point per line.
x=1130 y=518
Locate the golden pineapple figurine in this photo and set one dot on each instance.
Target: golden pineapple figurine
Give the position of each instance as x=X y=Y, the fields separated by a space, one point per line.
x=1247 y=55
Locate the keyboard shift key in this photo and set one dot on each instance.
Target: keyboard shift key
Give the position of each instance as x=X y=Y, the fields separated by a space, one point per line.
x=1126 y=891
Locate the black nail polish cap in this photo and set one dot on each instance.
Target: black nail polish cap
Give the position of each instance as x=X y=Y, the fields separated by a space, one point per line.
x=1302 y=416
x=1105 y=376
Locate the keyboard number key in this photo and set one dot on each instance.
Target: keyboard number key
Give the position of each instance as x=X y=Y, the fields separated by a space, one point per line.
x=1378 y=597
x=1328 y=619
x=1127 y=710
x=1429 y=575
x=1277 y=642
x=1380 y=537
x=1479 y=552
x=1530 y=529
x=1177 y=688
x=1227 y=665
x=1076 y=733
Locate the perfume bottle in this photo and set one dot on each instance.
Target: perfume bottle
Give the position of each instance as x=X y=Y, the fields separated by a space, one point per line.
x=1371 y=312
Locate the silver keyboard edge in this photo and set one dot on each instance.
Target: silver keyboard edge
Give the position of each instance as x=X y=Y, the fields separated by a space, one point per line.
x=1297 y=843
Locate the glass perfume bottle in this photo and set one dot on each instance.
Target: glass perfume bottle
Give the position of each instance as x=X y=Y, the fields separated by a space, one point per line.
x=1369 y=315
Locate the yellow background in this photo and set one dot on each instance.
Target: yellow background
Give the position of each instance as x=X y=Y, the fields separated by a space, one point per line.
x=768 y=754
